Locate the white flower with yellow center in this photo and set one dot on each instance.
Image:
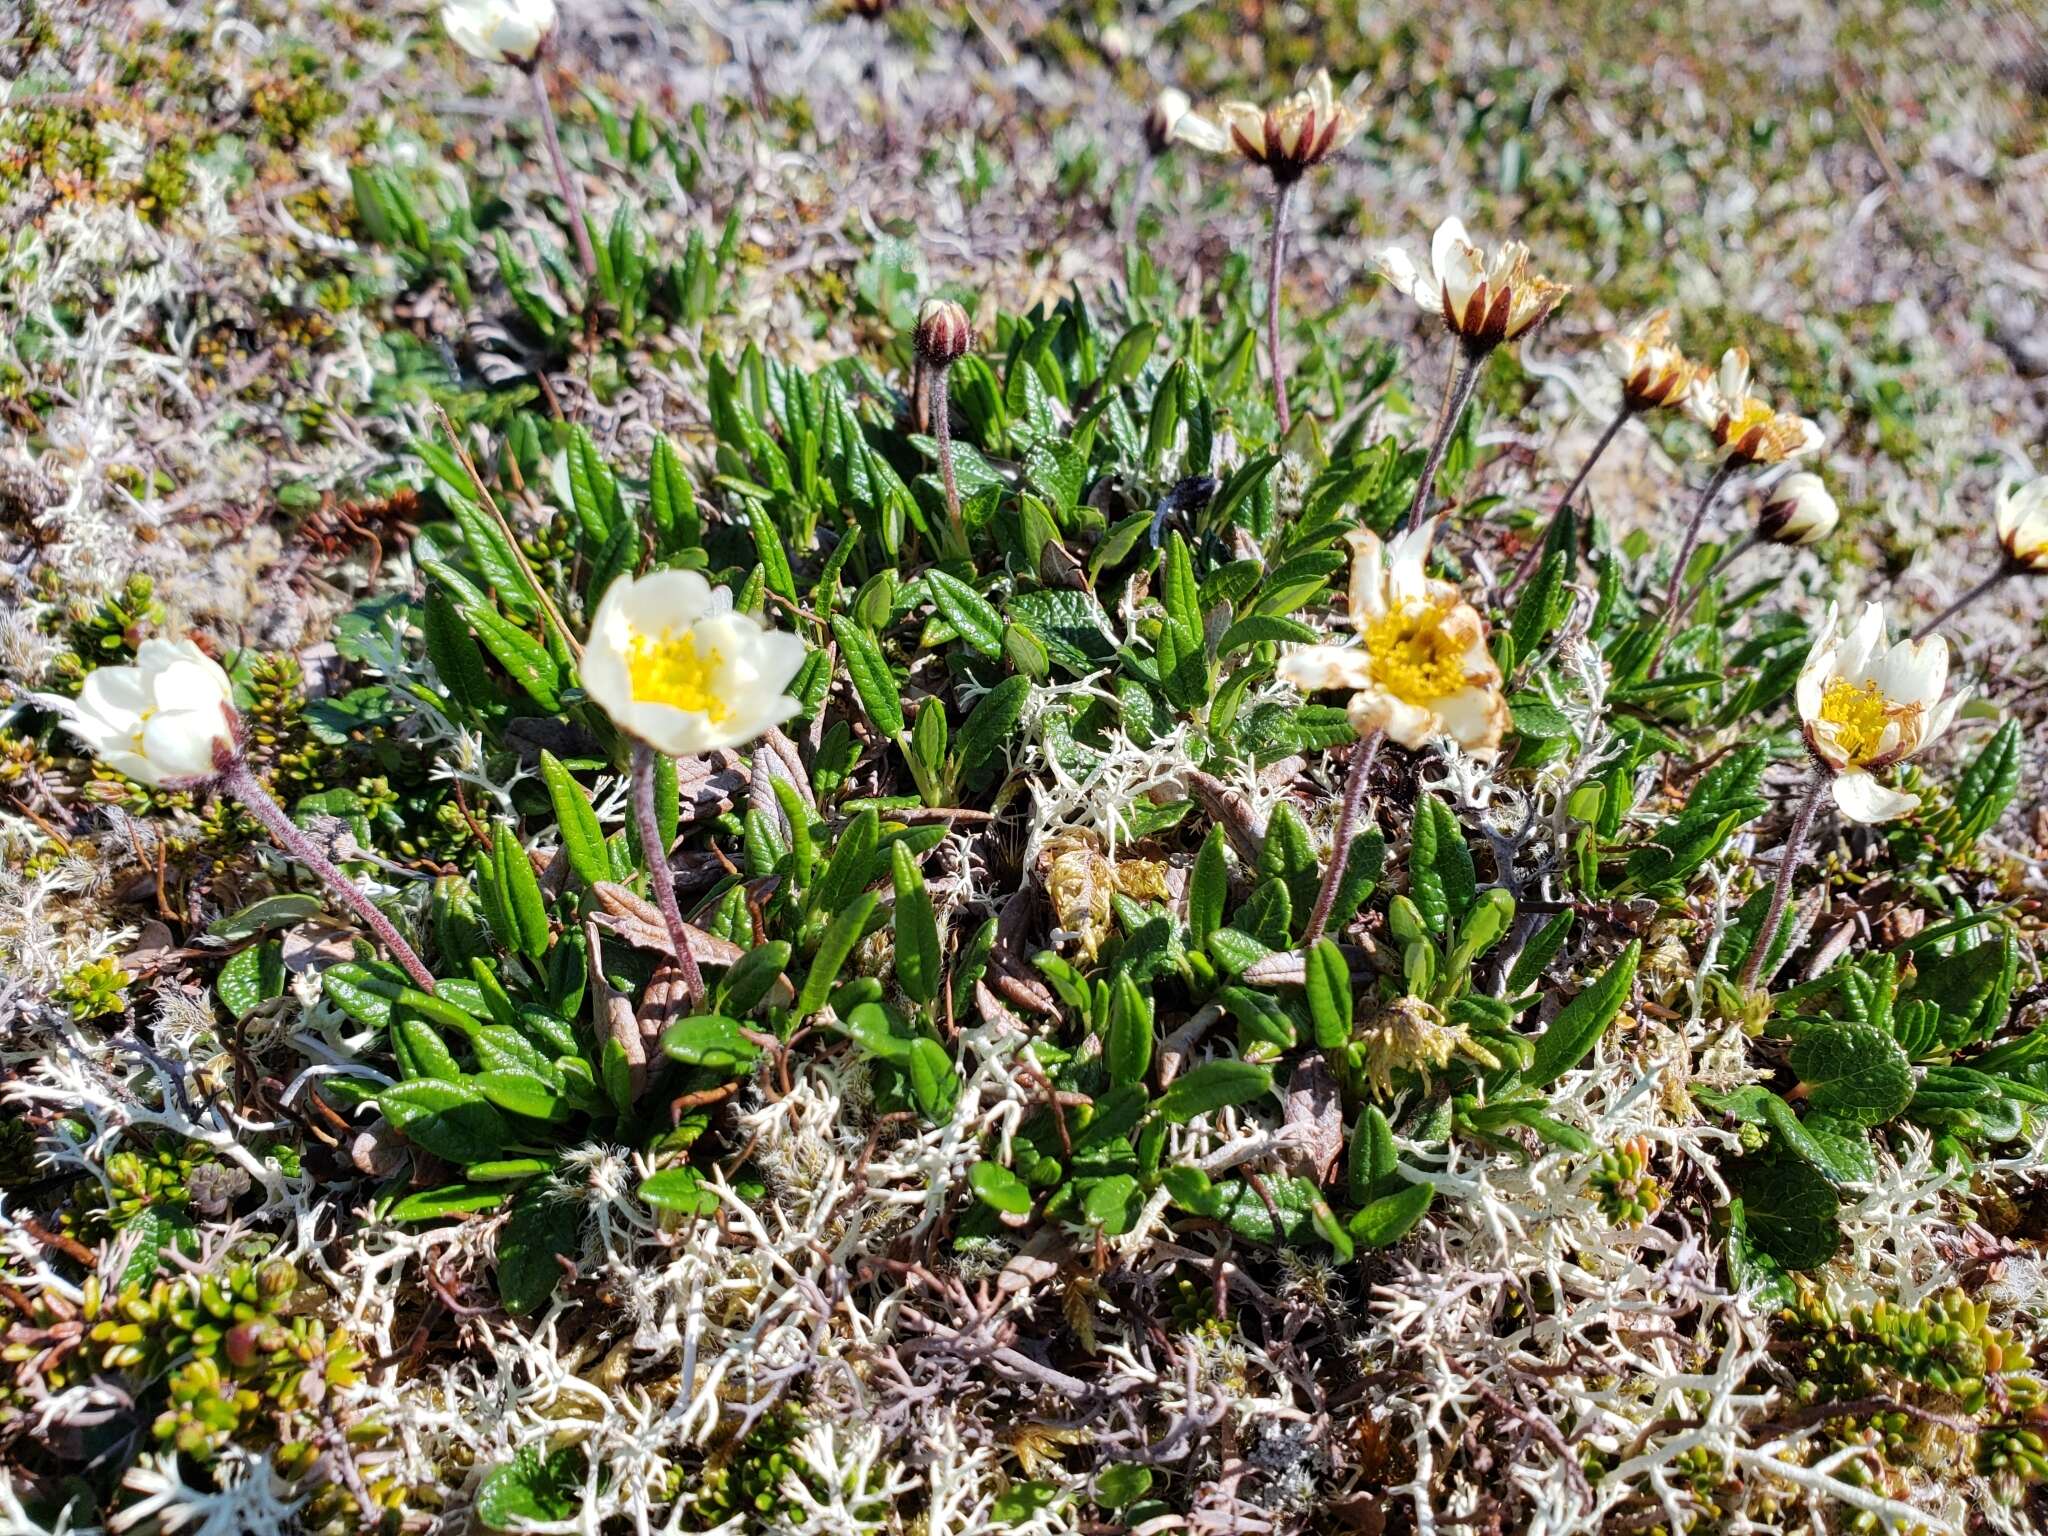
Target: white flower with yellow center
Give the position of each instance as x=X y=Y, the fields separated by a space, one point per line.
x=499 y=31
x=161 y=720
x=2023 y=525
x=1746 y=427
x=1866 y=705
x=1422 y=668
x=1302 y=131
x=1485 y=302
x=676 y=668
x=1653 y=370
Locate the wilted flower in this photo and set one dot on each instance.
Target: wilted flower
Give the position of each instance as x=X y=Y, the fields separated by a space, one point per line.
x=1164 y=115
x=161 y=719
x=1652 y=369
x=1288 y=139
x=1746 y=427
x=2023 y=524
x=500 y=31
x=1800 y=511
x=676 y=668
x=1866 y=705
x=943 y=334
x=1486 y=303
x=1422 y=668
x=1408 y=1034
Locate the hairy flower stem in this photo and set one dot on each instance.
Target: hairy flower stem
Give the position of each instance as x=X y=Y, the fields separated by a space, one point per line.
x=1283 y=202
x=1788 y=865
x=239 y=780
x=1347 y=827
x=1529 y=561
x=1990 y=583
x=659 y=874
x=1466 y=359
x=578 y=227
x=937 y=384
x=1692 y=598
x=1141 y=181
x=1691 y=540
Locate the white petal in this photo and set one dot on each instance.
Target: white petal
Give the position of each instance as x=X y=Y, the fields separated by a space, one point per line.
x=115 y=697
x=1864 y=641
x=1193 y=128
x=1398 y=269
x=1475 y=718
x=1313 y=668
x=1405 y=724
x=192 y=685
x=1460 y=268
x=179 y=744
x=1862 y=798
x=1942 y=716
x=1368 y=595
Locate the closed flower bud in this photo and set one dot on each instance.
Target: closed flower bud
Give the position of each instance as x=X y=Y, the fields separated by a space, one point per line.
x=500 y=31
x=1800 y=511
x=1167 y=109
x=943 y=334
x=2023 y=525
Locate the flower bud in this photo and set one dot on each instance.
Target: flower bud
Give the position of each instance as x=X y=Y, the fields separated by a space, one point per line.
x=1167 y=109
x=2022 y=516
x=277 y=1280
x=1800 y=511
x=943 y=334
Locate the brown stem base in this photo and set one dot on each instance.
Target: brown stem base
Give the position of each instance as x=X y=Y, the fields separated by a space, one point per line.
x=659 y=875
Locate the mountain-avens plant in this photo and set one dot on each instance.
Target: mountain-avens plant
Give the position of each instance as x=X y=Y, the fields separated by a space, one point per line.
x=942 y=338
x=1288 y=139
x=169 y=721
x=1485 y=304
x=2022 y=521
x=1421 y=669
x=518 y=33
x=681 y=673
x=1864 y=705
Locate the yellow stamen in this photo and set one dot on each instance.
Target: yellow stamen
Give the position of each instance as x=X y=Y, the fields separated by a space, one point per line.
x=666 y=669
x=1414 y=657
x=1859 y=713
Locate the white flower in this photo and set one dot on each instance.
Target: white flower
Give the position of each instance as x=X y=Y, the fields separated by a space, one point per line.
x=1866 y=705
x=1422 y=668
x=163 y=718
x=1302 y=131
x=1652 y=369
x=674 y=666
x=499 y=31
x=1167 y=109
x=1800 y=511
x=1745 y=426
x=2023 y=524
x=1487 y=303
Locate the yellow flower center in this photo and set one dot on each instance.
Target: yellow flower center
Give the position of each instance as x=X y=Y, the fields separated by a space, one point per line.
x=667 y=669
x=1859 y=714
x=1414 y=657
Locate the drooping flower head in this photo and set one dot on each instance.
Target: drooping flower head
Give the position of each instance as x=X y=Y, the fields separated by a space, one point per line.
x=2023 y=524
x=944 y=334
x=1653 y=371
x=500 y=31
x=1745 y=426
x=1287 y=139
x=1421 y=668
x=1866 y=705
x=674 y=666
x=1163 y=117
x=1486 y=303
x=1800 y=511
x=162 y=719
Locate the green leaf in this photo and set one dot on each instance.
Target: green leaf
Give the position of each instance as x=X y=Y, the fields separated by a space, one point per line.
x=1841 y=1154
x=531 y=1488
x=542 y=1227
x=1584 y=1020
x=251 y=979
x=1385 y=1221
x=1440 y=873
x=1211 y=1086
x=967 y=611
x=1535 y=958
x=1070 y=625
x=1986 y=787
x=524 y=907
x=751 y=978
x=710 y=1040
x=680 y=1192
x=990 y=723
x=1370 y=1169
x=872 y=678
x=582 y=837
x=1208 y=888
x=1854 y=1073
x=1536 y=606
x=1177 y=590
x=838 y=942
x=448 y=1200
x=1128 y=1051
x=933 y=1082
x=918 y=958
x=999 y=1188
x=1328 y=985
x=522 y=1093
x=1122 y=1483
x=452 y=1120
x=1789 y=1212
